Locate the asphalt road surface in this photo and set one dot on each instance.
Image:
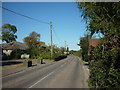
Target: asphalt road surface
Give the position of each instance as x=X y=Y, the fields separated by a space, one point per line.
x=67 y=73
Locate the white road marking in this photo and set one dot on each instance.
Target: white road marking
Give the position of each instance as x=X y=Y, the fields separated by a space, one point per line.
x=11 y=74
x=46 y=76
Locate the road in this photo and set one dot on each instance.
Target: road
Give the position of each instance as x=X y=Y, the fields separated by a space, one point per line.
x=67 y=73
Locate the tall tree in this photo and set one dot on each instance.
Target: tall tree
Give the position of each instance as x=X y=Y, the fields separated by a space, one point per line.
x=67 y=49
x=35 y=35
x=33 y=43
x=101 y=17
x=32 y=40
x=8 y=33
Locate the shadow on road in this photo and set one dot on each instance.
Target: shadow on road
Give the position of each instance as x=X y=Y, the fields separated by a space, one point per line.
x=5 y=63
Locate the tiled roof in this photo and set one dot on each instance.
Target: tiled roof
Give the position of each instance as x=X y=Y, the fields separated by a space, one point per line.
x=93 y=42
x=13 y=46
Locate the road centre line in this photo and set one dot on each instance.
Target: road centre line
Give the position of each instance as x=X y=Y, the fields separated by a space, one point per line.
x=46 y=76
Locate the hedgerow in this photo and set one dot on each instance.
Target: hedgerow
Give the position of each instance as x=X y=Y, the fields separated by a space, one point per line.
x=105 y=70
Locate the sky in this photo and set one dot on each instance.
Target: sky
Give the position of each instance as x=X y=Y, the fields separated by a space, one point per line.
x=68 y=25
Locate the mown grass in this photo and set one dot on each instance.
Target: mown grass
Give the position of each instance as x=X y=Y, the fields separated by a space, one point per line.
x=85 y=63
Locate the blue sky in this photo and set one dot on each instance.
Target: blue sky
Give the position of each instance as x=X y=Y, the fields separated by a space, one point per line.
x=65 y=16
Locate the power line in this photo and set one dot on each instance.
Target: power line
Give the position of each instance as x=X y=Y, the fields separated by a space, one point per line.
x=24 y=15
x=58 y=39
x=34 y=20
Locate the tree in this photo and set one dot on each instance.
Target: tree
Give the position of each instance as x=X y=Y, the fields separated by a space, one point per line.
x=33 y=43
x=40 y=43
x=84 y=44
x=67 y=49
x=104 y=18
x=30 y=41
x=101 y=17
x=35 y=35
x=8 y=33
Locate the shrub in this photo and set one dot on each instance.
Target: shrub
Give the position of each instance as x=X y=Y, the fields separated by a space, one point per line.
x=45 y=56
x=60 y=57
x=105 y=70
x=16 y=54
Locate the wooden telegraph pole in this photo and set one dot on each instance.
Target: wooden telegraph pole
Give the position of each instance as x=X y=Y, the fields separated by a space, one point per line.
x=51 y=39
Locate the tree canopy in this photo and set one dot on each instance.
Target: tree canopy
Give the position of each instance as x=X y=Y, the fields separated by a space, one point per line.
x=33 y=43
x=35 y=35
x=32 y=40
x=101 y=17
x=8 y=33
x=104 y=17
x=84 y=44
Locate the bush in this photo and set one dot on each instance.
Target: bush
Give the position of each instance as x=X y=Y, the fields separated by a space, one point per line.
x=34 y=53
x=105 y=70
x=45 y=56
x=86 y=57
x=60 y=57
x=16 y=54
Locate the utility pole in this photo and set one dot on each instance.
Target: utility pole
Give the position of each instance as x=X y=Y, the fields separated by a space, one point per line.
x=51 y=39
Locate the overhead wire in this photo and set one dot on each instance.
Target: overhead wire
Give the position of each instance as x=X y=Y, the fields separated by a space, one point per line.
x=31 y=19
x=58 y=39
x=24 y=15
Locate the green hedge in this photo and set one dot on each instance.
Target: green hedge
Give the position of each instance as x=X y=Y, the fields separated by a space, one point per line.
x=60 y=57
x=105 y=70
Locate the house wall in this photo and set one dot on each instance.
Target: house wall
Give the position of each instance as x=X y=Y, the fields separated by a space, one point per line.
x=7 y=52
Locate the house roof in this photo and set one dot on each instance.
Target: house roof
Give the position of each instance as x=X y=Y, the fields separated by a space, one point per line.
x=13 y=46
x=93 y=42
